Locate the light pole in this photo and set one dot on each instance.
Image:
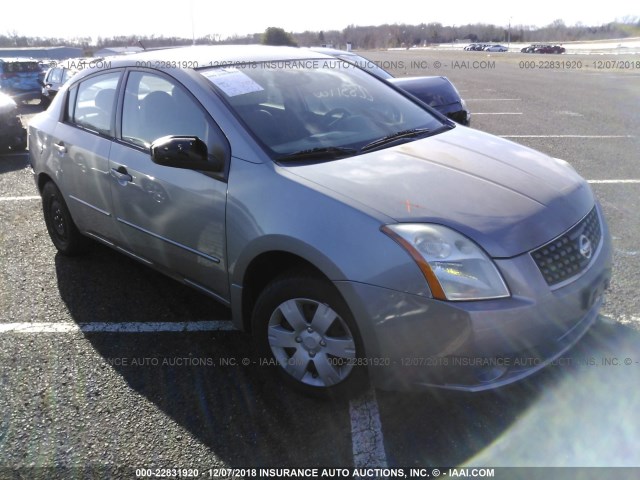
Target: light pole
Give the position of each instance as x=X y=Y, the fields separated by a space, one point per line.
x=509 y=34
x=193 y=30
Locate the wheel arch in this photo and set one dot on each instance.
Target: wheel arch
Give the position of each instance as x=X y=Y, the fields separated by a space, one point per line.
x=42 y=179
x=253 y=275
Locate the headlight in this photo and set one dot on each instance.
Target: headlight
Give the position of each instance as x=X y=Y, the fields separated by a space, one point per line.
x=454 y=266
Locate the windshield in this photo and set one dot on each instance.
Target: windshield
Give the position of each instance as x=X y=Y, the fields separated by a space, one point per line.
x=318 y=105
x=367 y=65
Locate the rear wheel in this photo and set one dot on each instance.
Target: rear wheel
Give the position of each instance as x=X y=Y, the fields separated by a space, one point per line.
x=63 y=231
x=302 y=323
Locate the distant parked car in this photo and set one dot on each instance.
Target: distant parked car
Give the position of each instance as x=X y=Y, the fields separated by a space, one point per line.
x=56 y=76
x=13 y=135
x=437 y=92
x=19 y=78
x=550 y=49
x=542 y=48
x=530 y=49
x=496 y=48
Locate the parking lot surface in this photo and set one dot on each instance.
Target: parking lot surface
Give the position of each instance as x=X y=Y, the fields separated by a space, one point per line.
x=104 y=362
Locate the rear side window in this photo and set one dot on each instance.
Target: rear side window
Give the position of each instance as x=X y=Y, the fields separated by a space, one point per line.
x=94 y=103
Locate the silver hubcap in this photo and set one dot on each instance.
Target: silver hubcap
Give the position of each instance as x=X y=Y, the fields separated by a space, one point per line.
x=311 y=342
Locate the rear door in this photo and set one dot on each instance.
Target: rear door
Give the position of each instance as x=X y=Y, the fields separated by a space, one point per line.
x=81 y=146
x=169 y=217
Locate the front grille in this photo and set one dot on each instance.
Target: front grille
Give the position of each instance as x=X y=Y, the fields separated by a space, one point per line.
x=569 y=254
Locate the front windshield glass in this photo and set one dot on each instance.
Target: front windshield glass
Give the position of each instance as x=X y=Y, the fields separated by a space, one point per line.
x=317 y=104
x=367 y=65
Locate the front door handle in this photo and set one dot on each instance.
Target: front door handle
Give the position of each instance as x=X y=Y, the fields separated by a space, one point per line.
x=121 y=175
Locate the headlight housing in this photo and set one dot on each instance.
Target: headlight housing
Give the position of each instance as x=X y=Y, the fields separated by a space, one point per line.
x=455 y=267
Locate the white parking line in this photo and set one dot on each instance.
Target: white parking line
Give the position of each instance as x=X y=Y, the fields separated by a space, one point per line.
x=366 y=432
x=629 y=320
x=567 y=136
x=17 y=199
x=124 y=327
x=614 y=181
x=494 y=99
x=497 y=113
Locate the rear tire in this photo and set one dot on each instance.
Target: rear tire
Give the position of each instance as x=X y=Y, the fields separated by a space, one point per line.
x=63 y=231
x=302 y=324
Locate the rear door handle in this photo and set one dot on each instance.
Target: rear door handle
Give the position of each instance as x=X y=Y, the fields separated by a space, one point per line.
x=121 y=175
x=60 y=147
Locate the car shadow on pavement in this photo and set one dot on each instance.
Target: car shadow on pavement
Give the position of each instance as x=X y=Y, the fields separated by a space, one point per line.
x=13 y=161
x=579 y=411
x=210 y=383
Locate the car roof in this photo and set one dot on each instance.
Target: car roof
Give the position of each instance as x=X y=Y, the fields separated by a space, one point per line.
x=202 y=56
x=331 y=51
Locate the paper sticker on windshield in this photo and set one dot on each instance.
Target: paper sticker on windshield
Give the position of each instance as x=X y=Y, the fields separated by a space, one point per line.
x=233 y=82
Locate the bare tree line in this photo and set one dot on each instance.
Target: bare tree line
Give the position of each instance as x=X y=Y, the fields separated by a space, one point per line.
x=364 y=37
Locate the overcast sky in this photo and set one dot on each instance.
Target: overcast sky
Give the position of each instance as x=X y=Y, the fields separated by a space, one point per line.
x=70 y=18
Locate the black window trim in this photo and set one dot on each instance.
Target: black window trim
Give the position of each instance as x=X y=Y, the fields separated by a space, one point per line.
x=76 y=85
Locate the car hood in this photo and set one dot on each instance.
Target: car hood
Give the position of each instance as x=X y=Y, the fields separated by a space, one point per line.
x=508 y=198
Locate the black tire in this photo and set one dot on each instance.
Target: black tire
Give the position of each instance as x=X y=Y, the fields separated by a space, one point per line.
x=314 y=355
x=45 y=101
x=63 y=231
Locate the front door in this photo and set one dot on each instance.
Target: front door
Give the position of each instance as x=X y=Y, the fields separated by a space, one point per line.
x=170 y=217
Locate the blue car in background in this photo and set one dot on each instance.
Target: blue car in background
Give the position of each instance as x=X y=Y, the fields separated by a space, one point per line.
x=19 y=78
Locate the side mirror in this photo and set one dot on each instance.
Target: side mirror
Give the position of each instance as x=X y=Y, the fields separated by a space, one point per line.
x=184 y=152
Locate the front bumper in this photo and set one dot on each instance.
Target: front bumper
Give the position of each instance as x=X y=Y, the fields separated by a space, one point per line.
x=413 y=342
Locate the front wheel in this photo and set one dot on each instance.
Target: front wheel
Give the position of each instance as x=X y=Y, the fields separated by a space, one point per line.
x=62 y=230
x=302 y=322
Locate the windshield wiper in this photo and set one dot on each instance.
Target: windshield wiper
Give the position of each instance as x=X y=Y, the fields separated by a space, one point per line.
x=414 y=132
x=329 y=153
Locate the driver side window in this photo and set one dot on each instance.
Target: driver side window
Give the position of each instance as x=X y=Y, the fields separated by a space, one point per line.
x=155 y=107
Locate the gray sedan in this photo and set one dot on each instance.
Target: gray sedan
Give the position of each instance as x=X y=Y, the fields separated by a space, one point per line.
x=356 y=234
